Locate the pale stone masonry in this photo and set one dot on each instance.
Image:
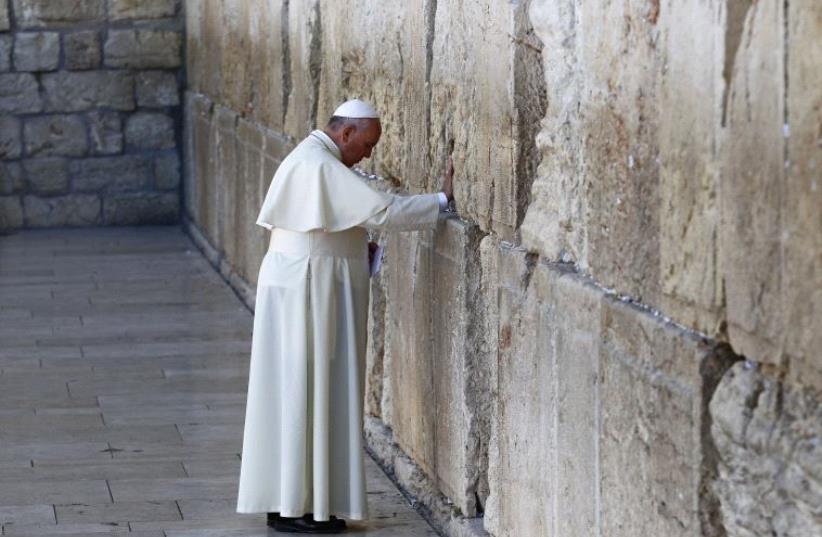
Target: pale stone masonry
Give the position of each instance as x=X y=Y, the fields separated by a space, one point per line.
x=90 y=112
x=619 y=336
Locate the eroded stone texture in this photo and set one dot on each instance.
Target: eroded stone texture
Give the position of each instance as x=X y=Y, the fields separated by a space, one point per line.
x=55 y=13
x=167 y=172
x=76 y=91
x=55 y=135
x=36 y=51
x=11 y=145
x=767 y=435
x=19 y=93
x=105 y=132
x=143 y=48
x=82 y=50
x=141 y=9
x=70 y=210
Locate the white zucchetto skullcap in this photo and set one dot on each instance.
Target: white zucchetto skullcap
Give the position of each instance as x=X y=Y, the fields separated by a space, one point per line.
x=356 y=109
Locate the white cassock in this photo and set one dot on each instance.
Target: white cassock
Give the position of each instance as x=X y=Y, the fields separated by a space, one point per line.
x=302 y=445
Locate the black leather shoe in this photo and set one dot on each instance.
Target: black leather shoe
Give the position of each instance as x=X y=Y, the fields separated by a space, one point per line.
x=271 y=518
x=307 y=524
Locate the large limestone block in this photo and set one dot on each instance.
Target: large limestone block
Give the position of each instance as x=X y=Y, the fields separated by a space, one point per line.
x=252 y=238
x=204 y=161
x=36 y=51
x=105 y=132
x=58 y=13
x=554 y=223
x=82 y=50
x=690 y=103
x=190 y=194
x=11 y=213
x=46 y=176
x=305 y=46
x=70 y=210
x=150 y=130
x=143 y=48
x=438 y=377
x=55 y=135
x=522 y=493
x=225 y=179
x=770 y=458
x=11 y=140
x=143 y=208
x=76 y=91
x=11 y=178
x=167 y=171
x=111 y=174
x=656 y=457
x=19 y=93
x=6 y=45
x=268 y=84
x=802 y=205
x=753 y=187
x=141 y=9
x=157 y=89
x=5 y=22
x=619 y=127
x=195 y=46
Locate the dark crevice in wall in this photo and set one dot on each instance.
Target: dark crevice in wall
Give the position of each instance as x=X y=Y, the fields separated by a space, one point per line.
x=315 y=61
x=286 y=57
x=531 y=104
x=736 y=14
x=712 y=369
x=430 y=29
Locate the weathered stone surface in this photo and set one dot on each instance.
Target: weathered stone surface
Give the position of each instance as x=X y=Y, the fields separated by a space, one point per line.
x=770 y=457
x=36 y=51
x=11 y=213
x=105 y=132
x=55 y=135
x=11 y=178
x=157 y=89
x=6 y=45
x=19 y=93
x=70 y=210
x=752 y=187
x=56 y=13
x=141 y=9
x=82 y=50
x=46 y=176
x=5 y=22
x=143 y=48
x=111 y=174
x=167 y=172
x=11 y=144
x=141 y=208
x=76 y=91
x=150 y=130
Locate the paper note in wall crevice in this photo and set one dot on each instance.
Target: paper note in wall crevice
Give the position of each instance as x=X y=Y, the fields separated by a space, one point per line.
x=376 y=261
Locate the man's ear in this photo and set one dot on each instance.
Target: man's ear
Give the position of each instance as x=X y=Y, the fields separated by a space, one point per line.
x=347 y=132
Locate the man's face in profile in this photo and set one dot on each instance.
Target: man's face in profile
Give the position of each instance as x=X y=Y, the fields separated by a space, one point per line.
x=358 y=139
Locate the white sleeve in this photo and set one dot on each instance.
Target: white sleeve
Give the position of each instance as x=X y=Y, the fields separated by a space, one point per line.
x=407 y=213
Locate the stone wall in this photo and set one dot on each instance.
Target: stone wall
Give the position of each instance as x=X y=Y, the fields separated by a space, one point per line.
x=619 y=334
x=90 y=113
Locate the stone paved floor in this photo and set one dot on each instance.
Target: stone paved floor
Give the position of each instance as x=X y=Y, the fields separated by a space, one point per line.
x=123 y=370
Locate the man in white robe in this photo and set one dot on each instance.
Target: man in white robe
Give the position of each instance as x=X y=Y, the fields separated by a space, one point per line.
x=302 y=460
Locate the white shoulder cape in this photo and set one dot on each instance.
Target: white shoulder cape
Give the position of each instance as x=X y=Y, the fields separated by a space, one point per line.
x=313 y=190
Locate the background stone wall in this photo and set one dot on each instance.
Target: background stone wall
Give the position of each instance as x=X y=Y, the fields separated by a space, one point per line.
x=90 y=112
x=620 y=334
